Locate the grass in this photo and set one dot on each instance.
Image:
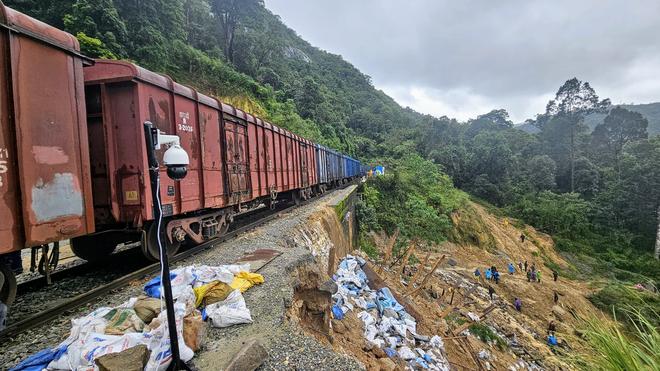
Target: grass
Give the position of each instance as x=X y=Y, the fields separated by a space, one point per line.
x=616 y=297
x=455 y=318
x=615 y=349
x=369 y=247
x=485 y=334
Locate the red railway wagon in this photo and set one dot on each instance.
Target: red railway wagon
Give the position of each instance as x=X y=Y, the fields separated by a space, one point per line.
x=237 y=161
x=45 y=188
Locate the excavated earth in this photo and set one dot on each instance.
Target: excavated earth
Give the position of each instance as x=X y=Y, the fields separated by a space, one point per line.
x=453 y=301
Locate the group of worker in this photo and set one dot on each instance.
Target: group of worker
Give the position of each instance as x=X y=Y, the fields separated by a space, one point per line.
x=533 y=275
x=492 y=274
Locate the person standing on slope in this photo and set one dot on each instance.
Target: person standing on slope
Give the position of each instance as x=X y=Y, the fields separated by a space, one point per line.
x=511 y=268
x=518 y=304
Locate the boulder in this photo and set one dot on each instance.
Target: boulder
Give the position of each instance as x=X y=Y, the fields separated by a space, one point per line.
x=131 y=359
x=559 y=312
x=249 y=358
x=386 y=364
x=338 y=326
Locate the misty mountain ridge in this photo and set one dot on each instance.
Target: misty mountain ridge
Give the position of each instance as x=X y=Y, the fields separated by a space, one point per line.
x=650 y=111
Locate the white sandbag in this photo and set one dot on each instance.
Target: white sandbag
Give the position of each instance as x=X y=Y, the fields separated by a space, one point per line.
x=436 y=342
x=183 y=294
x=367 y=318
x=184 y=276
x=97 y=345
x=158 y=341
x=237 y=268
x=205 y=274
x=406 y=353
x=231 y=311
x=80 y=329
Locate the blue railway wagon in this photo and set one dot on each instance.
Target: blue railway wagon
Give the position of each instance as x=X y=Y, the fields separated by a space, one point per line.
x=333 y=166
x=328 y=164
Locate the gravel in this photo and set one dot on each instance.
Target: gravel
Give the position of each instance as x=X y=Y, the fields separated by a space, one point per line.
x=287 y=346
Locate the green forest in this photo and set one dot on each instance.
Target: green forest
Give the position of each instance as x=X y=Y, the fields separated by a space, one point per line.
x=595 y=188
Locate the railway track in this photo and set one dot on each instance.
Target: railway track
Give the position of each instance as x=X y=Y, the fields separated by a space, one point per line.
x=87 y=297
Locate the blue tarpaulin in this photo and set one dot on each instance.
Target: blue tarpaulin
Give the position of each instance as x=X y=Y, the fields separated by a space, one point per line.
x=40 y=360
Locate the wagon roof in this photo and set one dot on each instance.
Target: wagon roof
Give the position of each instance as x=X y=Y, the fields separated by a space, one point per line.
x=25 y=25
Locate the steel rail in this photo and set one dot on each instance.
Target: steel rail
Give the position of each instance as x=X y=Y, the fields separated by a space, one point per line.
x=81 y=299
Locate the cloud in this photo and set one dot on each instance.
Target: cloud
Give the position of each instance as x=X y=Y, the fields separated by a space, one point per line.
x=462 y=57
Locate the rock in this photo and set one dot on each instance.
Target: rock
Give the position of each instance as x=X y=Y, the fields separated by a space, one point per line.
x=559 y=312
x=389 y=312
x=452 y=262
x=338 y=326
x=131 y=359
x=378 y=352
x=251 y=356
x=386 y=364
x=328 y=286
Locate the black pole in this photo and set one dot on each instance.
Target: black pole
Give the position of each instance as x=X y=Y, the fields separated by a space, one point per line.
x=151 y=135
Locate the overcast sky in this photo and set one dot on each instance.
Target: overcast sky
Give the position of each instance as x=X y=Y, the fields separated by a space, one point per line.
x=463 y=58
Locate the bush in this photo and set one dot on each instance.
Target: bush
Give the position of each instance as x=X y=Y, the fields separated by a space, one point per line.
x=618 y=298
x=413 y=196
x=565 y=214
x=487 y=335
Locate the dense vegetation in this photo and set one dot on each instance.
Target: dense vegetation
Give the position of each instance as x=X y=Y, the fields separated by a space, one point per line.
x=597 y=191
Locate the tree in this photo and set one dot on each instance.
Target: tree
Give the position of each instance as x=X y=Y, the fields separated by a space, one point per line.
x=572 y=102
x=98 y=19
x=495 y=120
x=619 y=128
x=230 y=13
x=541 y=172
x=587 y=177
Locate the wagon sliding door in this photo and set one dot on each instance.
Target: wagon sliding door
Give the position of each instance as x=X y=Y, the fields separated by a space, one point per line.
x=303 y=165
x=238 y=171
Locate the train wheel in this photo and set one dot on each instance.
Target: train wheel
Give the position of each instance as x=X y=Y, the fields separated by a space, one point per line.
x=94 y=248
x=150 y=246
x=7 y=284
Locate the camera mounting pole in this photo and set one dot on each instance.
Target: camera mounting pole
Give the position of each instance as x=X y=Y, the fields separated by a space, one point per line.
x=151 y=136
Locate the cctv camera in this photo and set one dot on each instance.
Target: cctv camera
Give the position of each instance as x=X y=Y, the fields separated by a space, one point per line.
x=177 y=161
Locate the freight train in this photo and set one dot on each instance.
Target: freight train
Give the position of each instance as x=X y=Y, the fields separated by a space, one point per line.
x=74 y=162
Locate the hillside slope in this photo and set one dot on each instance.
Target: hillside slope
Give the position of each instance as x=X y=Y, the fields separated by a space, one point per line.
x=502 y=337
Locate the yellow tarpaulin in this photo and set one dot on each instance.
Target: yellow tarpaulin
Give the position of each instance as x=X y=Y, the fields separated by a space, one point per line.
x=245 y=280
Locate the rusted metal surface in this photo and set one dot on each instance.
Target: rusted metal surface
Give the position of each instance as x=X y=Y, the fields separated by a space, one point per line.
x=45 y=184
x=259 y=258
x=234 y=157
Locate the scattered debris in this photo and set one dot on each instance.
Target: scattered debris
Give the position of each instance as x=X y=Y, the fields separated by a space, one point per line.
x=134 y=334
x=386 y=323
